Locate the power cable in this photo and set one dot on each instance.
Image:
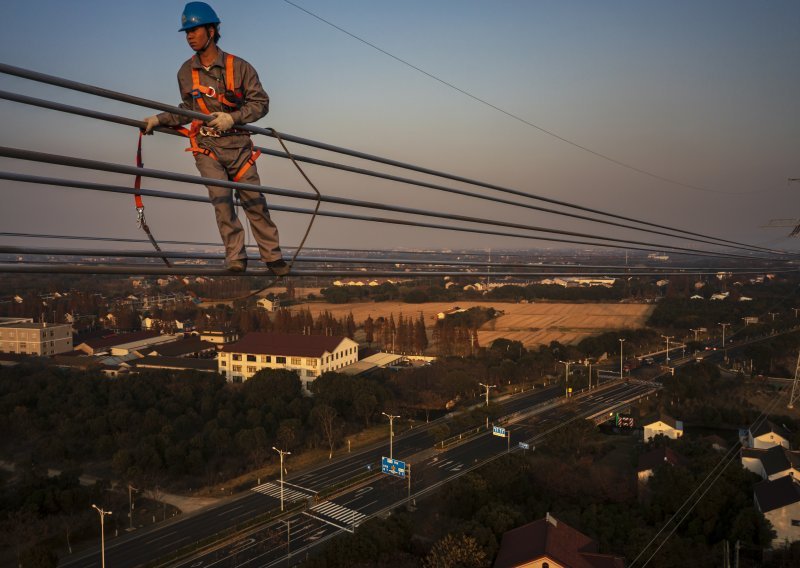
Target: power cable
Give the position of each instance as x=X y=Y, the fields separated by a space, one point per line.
x=29 y=155
x=181 y=270
x=512 y=115
x=193 y=255
x=139 y=101
x=362 y=171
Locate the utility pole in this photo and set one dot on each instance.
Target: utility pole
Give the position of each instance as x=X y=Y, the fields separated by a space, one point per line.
x=102 y=534
x=773 y=314
x=487 y=387
x=668 y=337
x=589 y=363
x=391 y=432
x=282 y=454
x=621 y=343
x=725 y=350
x=795 y=312
x=288 y=539
x=566 y=377
x=131 y=489
x=795 y=385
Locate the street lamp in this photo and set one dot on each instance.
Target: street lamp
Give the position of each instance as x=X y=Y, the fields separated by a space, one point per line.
x=724 y=349
x=487 y=387
x=281 y=453
x=621 y=342
x=391 y=432
x=696 y=331
x=102 y=534
x=668 y=337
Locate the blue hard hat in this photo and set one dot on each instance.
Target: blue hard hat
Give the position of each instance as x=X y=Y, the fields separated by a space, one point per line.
x=197 y=14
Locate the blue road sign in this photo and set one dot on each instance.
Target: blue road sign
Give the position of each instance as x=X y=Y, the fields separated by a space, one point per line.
x=499 y=431
x=393 y=467
x=524 y=446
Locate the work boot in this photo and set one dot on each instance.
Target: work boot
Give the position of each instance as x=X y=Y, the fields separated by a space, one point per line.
x=237 y=265
x=278 y=267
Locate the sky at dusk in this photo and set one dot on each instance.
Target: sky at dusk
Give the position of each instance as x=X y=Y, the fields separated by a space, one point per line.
x=704 y=93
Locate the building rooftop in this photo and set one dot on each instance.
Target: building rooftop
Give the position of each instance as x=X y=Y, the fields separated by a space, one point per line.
x=654 y=458
x=33 y=325
x=768 y=427
x=665 y=418
x=771 y=495
x=288 y=344
x=182 y=347
x=177 y=363
x=556 y=540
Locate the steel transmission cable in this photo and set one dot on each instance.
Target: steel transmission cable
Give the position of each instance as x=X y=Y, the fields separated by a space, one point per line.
x=52 y=105
x=156 y=269
x=92 y=186
x=147 y=103
x=20 y=250
x=42 y=157
x=508 y=113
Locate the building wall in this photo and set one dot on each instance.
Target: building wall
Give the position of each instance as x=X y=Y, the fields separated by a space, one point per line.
x=36 y=339
x=238 y=367
x=652 y=430
x=766 y=441
x=782 y=520
x=754 y=465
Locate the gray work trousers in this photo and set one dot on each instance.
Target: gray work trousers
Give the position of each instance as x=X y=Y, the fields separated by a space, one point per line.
x=228 y=163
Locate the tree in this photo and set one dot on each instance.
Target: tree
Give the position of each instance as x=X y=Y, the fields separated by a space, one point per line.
x=459 y=551
x=324 y=417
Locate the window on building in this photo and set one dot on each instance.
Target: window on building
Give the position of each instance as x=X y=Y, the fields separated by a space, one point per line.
x=297 y=361
x=223 y=363
x=237 y=368
x=311 y=362
x=280 y=360
x=251 y=358
x=237 y=378
x=236 y=356
x=796 y=522
x=310 y=373
x=266 y=359
x=251 y=369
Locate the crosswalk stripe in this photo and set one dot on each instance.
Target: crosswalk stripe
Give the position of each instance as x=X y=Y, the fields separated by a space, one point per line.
x=338 y=512
x=273 y=490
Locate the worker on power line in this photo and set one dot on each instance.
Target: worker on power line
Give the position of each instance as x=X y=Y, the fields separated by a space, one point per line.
x=227 y=87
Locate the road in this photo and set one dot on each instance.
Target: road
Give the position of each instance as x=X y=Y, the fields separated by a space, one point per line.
x=301 y=532
x=322 y=519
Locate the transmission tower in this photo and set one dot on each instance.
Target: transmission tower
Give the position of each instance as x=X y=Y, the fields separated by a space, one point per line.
x=796 y=384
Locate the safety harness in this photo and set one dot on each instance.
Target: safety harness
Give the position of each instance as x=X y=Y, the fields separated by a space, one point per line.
x=232 y=97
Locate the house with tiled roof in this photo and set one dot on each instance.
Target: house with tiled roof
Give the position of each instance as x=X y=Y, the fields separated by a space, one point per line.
x=768 y=434
x=649 y=461
x=662 y=424
x=772 y=463
x=550 y=543
x=308 y=355
x=779 y=501
x=191 y=346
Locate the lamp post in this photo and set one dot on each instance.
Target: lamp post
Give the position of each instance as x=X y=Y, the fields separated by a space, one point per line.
x=487 y=387
x=621 y=343
x=102 y=534
x=391 y=432
x=724 y=349
x=668 y=337
x=281 y=453
x=696 y=331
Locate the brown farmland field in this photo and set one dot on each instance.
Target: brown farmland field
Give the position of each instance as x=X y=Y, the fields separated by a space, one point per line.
x=532 y=324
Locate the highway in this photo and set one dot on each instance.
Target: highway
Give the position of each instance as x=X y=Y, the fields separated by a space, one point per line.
x=533 y=415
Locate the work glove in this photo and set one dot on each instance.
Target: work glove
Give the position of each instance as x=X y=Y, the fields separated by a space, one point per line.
x=222 y=121
x=151 y=123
